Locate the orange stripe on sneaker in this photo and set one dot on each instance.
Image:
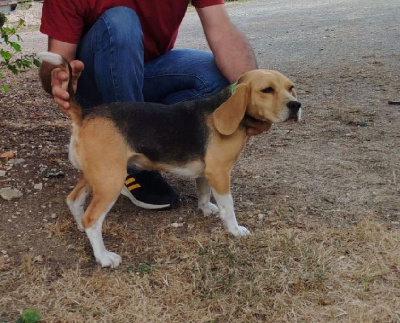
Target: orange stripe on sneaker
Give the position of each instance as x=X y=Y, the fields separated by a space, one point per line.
x=132 y=187
x=129 y=180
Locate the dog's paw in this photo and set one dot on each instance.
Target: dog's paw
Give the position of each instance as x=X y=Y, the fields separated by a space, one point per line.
x=240 y=231
x=209 y=209
x=108 y=259
x=80 y=226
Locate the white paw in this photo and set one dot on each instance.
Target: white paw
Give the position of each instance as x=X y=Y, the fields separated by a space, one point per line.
x=209 y=209
x=240 y=231
x=108 y=259
x=80 y=226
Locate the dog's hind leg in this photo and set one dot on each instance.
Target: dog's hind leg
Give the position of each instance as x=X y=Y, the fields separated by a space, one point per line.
x=106 y=186
x=203 y=196
x=76 y=200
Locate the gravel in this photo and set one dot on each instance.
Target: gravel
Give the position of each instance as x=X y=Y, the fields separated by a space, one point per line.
x=31 y=16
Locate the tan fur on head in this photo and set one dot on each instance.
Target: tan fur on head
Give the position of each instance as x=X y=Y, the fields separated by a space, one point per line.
x=228 y=116
x=269 y=93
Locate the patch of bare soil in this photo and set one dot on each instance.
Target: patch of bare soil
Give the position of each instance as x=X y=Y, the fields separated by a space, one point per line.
x=334 y=170
x=321 y=197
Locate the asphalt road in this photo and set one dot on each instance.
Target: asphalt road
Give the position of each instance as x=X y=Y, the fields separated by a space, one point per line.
x=313 y=32
x=302 y=34
x=310 y=33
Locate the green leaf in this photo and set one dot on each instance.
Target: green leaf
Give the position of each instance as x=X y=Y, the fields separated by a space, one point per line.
x=3 y=19
x=21 y=23
x=5 y=54
x=8 y=31
x=13 y=69
x=5 y=88
x=16 y=46
x=36 y=62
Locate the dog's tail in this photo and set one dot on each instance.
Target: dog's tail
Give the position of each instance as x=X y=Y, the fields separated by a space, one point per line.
x=75 y=111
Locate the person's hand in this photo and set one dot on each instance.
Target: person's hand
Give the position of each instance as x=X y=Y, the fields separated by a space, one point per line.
x=58 y=76
x=257 y=127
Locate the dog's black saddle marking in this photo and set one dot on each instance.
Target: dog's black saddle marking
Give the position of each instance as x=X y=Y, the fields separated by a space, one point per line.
x=176 y=133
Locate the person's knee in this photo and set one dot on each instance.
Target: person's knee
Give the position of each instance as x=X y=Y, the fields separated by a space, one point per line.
x=209 y=72
x=124 y=23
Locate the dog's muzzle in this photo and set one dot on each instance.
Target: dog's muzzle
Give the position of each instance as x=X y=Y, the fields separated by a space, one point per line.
x=294 y=110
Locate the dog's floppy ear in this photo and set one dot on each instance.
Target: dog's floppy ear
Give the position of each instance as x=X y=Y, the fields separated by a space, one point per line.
x=229 y=114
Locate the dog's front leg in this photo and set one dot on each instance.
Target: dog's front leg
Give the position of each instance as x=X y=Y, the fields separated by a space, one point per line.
x=203 y=196
x=227 y=214
x=220 y=184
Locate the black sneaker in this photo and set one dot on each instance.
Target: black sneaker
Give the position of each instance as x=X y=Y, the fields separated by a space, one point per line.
x=149 y=190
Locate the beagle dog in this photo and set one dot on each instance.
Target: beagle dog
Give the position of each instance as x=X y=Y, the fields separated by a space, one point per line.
x=201 y=139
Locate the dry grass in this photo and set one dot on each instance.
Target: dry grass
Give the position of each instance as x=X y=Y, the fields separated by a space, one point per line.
x=288 y=275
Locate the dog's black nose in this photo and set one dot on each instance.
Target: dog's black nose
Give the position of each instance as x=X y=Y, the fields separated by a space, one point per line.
x=294 y=108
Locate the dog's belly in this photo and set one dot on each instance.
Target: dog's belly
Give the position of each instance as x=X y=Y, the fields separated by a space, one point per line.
x=190 y=168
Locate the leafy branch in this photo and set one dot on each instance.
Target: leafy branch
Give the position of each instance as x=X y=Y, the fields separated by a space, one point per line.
x=11 y=56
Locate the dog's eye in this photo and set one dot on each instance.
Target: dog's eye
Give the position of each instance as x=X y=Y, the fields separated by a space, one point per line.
x=268 y=90
x=291 y=88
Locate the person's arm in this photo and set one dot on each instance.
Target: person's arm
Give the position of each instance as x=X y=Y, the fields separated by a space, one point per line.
x=232 y=51
x=52 y=78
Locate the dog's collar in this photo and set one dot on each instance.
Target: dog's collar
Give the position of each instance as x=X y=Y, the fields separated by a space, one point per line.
x=233 y=88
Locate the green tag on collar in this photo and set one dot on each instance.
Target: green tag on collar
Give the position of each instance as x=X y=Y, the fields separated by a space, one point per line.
x=233 y=87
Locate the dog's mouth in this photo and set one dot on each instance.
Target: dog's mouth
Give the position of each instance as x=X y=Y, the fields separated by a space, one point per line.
x=296 y=117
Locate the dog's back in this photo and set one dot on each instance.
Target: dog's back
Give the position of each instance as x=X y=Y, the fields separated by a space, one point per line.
x=173 y=134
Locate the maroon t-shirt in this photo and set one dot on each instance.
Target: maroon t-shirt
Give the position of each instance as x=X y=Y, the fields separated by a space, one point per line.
x=69 y=20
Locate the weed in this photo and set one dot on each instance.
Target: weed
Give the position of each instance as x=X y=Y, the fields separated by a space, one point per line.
x=12 y=58
x=140 y=269
x=30 y=315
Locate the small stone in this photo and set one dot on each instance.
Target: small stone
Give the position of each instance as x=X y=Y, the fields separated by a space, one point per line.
x=38 y=259
x=261 y=216
x=8 y=193
x=54 y=216
x=16 y=161
x=3 y=173
x=38 y=187
x=176 y=225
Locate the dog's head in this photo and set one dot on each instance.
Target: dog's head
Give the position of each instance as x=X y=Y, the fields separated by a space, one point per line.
x=265 y=95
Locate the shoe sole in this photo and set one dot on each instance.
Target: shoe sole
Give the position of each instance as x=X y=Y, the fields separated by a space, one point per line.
x=141 y=204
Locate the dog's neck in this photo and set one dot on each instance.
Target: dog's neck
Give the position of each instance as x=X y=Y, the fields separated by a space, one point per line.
x=248 y=121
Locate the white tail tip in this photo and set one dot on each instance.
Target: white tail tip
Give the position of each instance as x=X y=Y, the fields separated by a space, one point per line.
x=51 y=58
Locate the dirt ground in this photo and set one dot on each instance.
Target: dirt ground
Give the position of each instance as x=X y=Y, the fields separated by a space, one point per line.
x=333 y=170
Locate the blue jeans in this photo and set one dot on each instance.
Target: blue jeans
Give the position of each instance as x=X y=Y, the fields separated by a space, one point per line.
x=115 y=71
